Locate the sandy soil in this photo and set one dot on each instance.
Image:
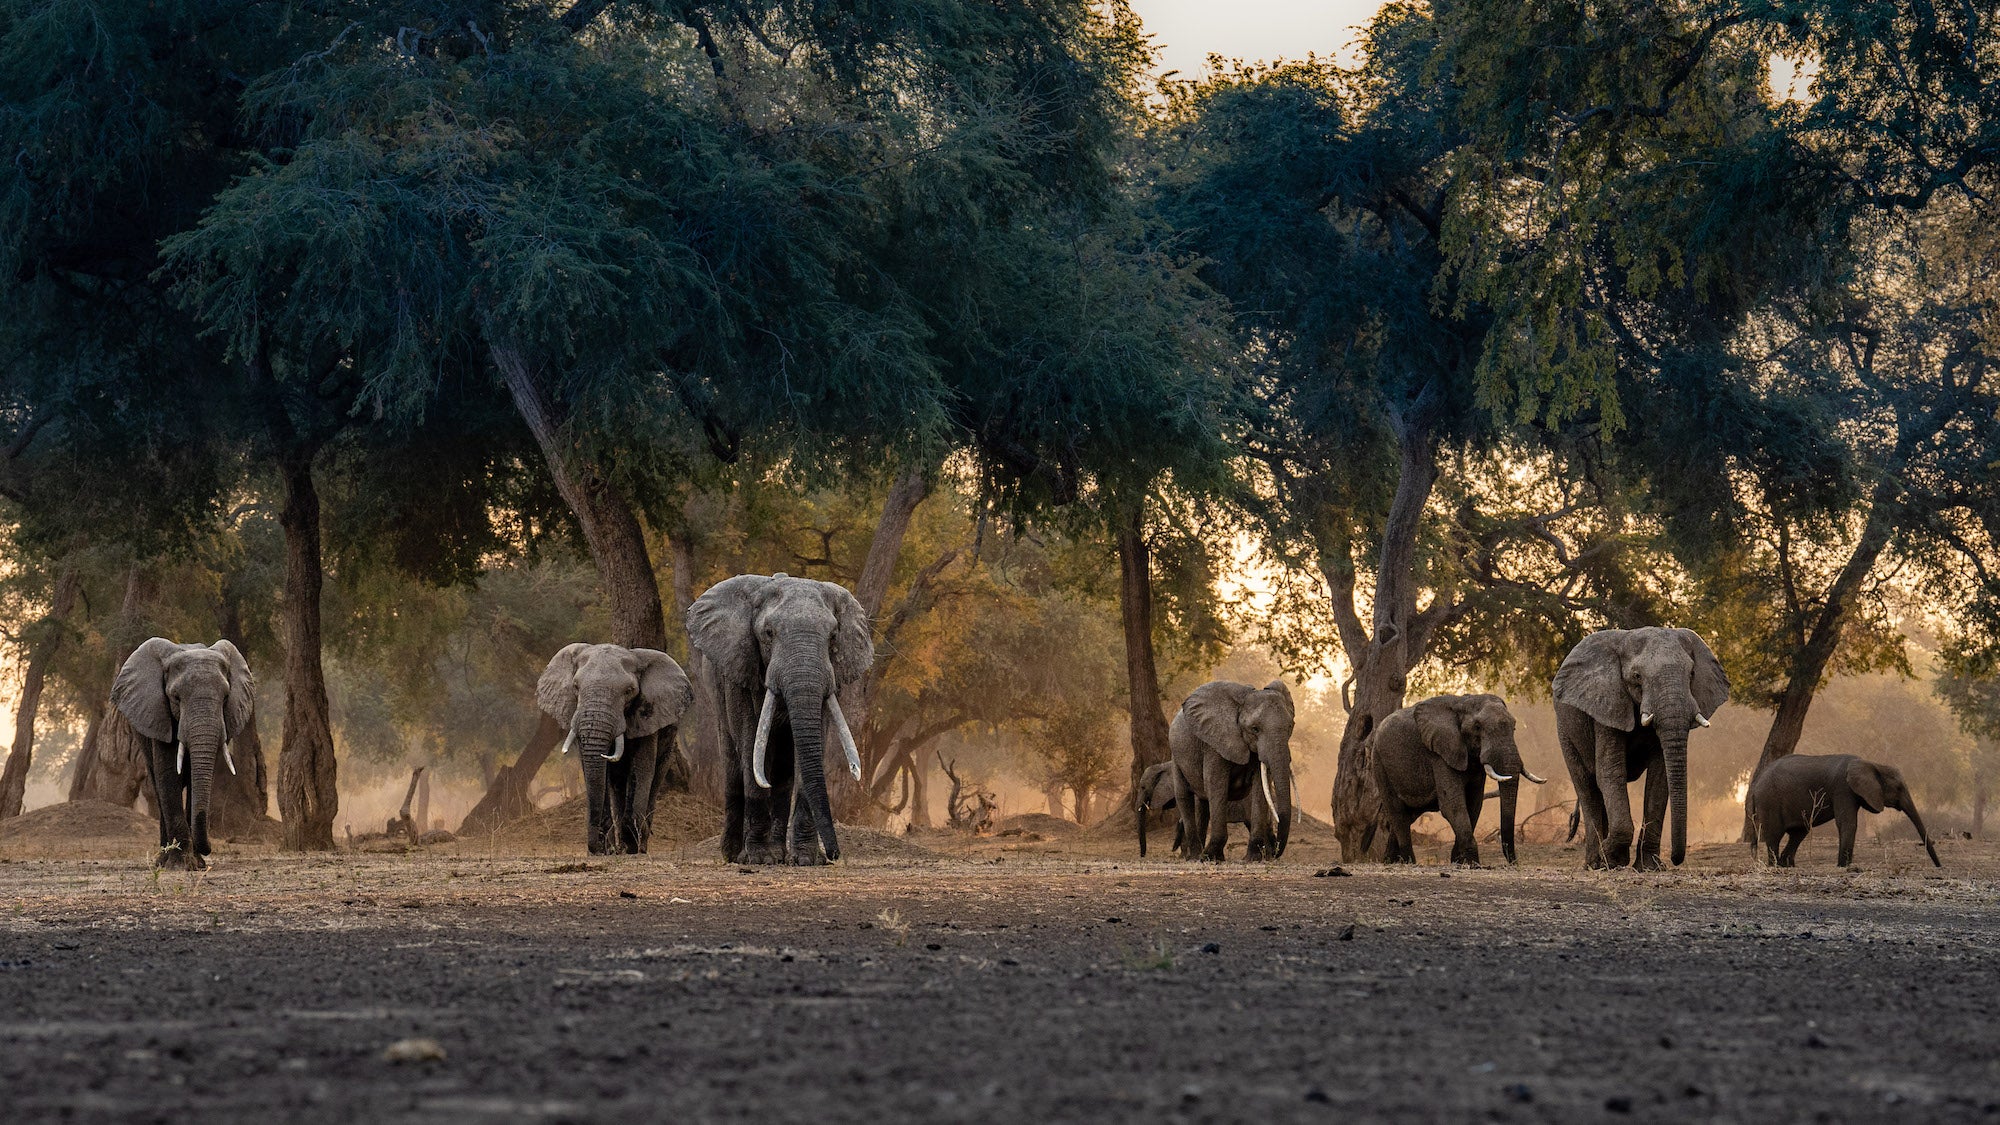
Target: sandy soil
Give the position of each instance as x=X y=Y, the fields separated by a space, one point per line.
x=1000 y=979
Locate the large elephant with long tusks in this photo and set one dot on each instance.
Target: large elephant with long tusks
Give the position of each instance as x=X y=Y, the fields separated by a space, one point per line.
x=187 y=702
x=1226 y=739
x=1626 y=700
x=621 y=706
x=777 y=652
x=1436 y=756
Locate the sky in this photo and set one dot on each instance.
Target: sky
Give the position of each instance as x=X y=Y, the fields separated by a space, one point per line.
x=1190 y=30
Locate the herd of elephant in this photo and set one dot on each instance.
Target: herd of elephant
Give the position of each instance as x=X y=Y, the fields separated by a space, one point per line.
x=777 y=650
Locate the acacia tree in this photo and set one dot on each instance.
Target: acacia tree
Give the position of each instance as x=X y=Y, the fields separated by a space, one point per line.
x=1323 y=203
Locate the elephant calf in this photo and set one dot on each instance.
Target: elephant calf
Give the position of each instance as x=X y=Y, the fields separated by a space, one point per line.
x=1156 y=794
x=1795 y=794
x=1435 y=756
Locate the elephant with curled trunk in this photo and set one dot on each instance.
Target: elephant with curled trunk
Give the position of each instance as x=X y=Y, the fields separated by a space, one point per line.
x=620 y=706
x=1798 y=793
x=186 y=702
x=1226 y=739
x=1156 y=794
x=1436 y=756
x=778 y=650
x=1625 y=702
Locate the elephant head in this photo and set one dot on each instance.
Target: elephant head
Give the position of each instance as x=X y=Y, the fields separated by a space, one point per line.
x=198 y=697
x=1155 y=792
x=1663 y=679
x=1239 y=722
x=604 y=694
x=1477 y=730
x=1878 y=787
x=797 y=641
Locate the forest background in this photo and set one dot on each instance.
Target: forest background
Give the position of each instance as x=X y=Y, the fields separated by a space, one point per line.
x=403 y=343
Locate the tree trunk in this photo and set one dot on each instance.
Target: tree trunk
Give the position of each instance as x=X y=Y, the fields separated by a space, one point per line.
x=111 y=765
x=609 y=522
x=307 y=795
x=1810 y=660
x=1982 y=780
x=424 y=804
x=1381 y=663
x=920 y=793
x=699 y=739
x=1142 y=676
x=509 y=797
x=14 y=777
x=857 y=700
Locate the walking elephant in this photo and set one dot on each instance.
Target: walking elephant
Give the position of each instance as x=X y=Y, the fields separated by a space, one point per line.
x=1435 y=756
x=1795 y=794
x=778 y=652
x=1226 y=739
x=1156 y=794
x=620 y=706
x=1625 y=702
x=186 y=702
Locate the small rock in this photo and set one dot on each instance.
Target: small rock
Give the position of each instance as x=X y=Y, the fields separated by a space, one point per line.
x=1667 y=1041
x=1817 y=1041
x=627 y=894
x=413 y=1051
x=1346 y=933
x=1315 y=1094
x=933 y=946
x=1619 y=1104
x=1519 y=1092
x=1211 y=947
x=1268 y=929
x=1335 y=872
x=1113 y=921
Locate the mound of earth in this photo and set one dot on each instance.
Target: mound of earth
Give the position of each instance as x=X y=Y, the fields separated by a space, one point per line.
x=1040 y=823
x=679 y=819
x=79 y=830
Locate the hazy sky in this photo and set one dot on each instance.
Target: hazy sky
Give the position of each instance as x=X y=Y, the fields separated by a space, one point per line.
x=1190 y=30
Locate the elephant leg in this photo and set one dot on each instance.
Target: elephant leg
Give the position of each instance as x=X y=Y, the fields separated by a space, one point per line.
x=157 y=775
x=1215 y=779
x=805 y=850
x=1401 y=848
x=177 y=846
x=645 y=758
x=770 y=810
x=1846 y=820
x=623 y=801
x=732 y=816
x=1769 y=837
x=1616 y=830
x=1453 y=807
x=1793 y=838
x=1655 y=824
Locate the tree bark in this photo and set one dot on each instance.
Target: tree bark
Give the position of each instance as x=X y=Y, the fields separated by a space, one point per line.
x=1810 y=660
x=1381 y=662
x=1142 y=676
x=111 y=765
x=241 y=801
x=509 y=798
x=308 y=798
x=857 y=700
x=14 y=777
x=609 y=522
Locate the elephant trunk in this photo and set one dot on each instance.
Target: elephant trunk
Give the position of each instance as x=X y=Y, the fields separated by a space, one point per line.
x=1674 y=747
x=805 y=685
x=201 y=740
x=1279 y=778
x=1930 y=848
x=1510 y=794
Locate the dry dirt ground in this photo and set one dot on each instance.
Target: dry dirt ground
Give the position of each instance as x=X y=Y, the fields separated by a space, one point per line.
x=1046 y=975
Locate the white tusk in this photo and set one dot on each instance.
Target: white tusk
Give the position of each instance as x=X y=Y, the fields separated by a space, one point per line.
x=181 y=759
x=763 y=736
x=1646 y=719
x=570 y=741
x=230 y=759
x=846 y=736
x=1498 y=776
x=1532 y=777
x=1269 y=794
x=617 y=750
x=1701 y=718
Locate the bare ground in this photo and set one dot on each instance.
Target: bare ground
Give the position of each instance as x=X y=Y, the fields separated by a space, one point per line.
x=996 y=980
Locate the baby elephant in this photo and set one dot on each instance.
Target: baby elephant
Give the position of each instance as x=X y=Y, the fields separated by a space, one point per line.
x=1435 y=757
x=1795 y=794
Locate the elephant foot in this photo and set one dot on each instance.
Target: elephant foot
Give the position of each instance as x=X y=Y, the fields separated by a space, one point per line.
x=1649 y=862
x=762 y=854
x=810 y=857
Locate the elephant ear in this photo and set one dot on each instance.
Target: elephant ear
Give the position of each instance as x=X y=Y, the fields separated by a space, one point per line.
x=140 y=691
x=555 y=692
x=853 y=640
x=1437 y=723
x=1866 y=781
x=722 y=625
x=1592 y=679
x=242 y=702
x=1213 y=708
x=1711 y=684
x=664 y=693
